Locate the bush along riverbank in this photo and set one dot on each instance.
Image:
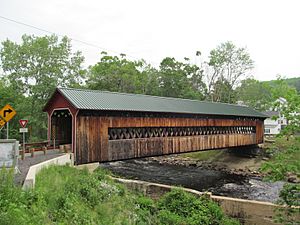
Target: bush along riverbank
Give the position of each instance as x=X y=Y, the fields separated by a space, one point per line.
x=284 y=164
x=65 y=195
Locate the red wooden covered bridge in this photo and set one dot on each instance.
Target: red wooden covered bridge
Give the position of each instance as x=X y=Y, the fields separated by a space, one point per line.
x=105 y=126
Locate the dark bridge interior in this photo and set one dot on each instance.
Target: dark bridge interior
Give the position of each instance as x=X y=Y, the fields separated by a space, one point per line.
x=61 y=127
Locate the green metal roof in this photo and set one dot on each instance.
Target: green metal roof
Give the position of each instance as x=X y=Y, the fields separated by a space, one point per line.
x=103 y=100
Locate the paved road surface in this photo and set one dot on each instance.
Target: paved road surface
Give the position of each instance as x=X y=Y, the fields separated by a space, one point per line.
x=23 y=165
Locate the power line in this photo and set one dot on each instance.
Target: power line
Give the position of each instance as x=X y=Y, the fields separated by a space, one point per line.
x=73 y=39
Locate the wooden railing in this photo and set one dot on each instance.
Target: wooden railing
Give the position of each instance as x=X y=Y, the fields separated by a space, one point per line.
x=42 y=146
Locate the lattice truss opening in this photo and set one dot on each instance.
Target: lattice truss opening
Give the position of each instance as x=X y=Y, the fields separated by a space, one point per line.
x=150 y=132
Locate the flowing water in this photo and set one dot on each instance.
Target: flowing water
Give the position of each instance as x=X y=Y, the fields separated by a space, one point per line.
x=217 y=182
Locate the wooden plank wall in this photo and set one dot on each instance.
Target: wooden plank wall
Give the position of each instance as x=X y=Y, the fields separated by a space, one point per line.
x=142 y=147
x=92 y=144
x=259 y=131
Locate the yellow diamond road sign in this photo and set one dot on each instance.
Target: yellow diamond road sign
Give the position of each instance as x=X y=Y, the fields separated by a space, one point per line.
x=7 y=113
x=2 y=122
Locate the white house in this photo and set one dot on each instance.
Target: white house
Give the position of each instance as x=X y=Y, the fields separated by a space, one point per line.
x=274 y=126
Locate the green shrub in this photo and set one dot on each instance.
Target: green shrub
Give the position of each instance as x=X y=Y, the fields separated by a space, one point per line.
x=284 y=163
x=65 y=195
x=178 y=206
x=169 y=218
x=290 y=198
x=15 y=204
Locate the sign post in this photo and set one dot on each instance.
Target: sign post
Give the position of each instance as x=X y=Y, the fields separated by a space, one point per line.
x=24 y=148
x=23 y=130
x=7 y=131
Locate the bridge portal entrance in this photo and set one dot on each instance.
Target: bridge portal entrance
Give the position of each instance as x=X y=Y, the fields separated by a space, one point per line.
x=61 y=127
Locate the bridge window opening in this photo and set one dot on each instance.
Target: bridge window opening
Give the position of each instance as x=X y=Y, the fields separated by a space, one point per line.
x=149 y=132
x=61 y=127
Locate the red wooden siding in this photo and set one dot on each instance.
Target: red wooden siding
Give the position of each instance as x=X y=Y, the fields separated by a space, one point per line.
x=58 y=102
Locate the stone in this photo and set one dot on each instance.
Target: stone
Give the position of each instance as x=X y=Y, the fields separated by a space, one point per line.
x=293 y=178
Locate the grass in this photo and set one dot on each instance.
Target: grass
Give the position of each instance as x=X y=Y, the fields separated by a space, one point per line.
x=65 y=195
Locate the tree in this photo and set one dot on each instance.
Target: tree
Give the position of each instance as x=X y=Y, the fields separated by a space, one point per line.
x=19 y=102
x=221 y=90
x=39 y=64
x=173 y=79
x=149 y=83
x=255 y=94
x=119 y=74
x=228 y=63
x=291 y=109
x=183 y=80
x=36 y=67
x=285 y=161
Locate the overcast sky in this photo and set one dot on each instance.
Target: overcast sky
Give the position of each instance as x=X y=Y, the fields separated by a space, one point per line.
x=156 y=29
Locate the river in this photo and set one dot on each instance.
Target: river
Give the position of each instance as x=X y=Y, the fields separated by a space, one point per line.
x=217 y=182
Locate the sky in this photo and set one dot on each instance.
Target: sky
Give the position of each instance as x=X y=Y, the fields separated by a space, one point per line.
x=153 y=30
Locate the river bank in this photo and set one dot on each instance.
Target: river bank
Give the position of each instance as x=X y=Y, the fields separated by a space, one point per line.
x=188 y=175
x=219 y=160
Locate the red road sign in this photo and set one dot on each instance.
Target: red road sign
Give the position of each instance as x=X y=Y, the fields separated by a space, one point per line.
x=23 y=123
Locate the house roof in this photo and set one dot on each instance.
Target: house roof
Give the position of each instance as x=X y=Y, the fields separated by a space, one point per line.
x=103 y=100
x=271 y=113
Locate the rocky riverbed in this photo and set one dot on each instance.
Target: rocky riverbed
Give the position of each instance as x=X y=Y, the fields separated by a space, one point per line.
x=228 y=167
x=202 y=176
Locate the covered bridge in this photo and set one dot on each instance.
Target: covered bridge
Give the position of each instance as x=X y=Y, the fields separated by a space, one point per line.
x=105 y=126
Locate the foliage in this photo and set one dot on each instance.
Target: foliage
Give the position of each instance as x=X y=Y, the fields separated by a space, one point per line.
x=178 y=79
x=283 y=164
x=18 y=101
x=173 y=79
x=292 y=82
x=179 y=207
x=290 y=110
x=255 y=94
x=222 y=91
x=227 y=63
x=119 y=74
x=39 y=64
x=65 y=195
x=33 y=69
x=14 y=203
x=290 y=197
